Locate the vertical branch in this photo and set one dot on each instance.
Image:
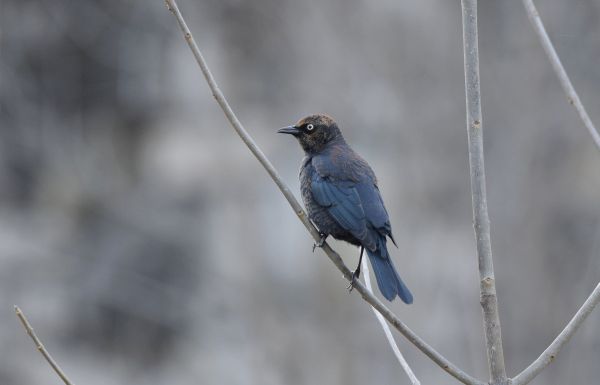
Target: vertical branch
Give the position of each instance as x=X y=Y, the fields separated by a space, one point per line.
x=565 y=82
x=489 y=302
x=436 y=357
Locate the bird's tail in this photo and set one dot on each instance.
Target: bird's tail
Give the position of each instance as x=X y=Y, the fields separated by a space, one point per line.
x=389 y=282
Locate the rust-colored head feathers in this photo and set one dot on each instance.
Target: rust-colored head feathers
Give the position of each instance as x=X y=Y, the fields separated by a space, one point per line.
x=315 y=132
x=317 y=120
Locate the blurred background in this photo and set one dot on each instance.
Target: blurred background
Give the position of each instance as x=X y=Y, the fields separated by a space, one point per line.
x=148 y=246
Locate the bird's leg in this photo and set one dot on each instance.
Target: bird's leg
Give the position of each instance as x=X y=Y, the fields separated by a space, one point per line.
x=356 y=273
x=321 y=241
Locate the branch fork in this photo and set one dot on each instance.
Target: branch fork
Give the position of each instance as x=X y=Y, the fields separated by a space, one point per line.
x=488 y=297
x=481 y=220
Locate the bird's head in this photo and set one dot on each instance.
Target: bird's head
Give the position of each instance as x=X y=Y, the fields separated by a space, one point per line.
x=314 y=132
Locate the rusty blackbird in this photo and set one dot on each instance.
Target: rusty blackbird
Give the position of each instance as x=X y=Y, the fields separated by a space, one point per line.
x=340 y=193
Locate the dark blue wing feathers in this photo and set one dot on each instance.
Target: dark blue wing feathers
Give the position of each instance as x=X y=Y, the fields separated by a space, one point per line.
x=373 y=205
x=388 y=280
x=357 y=206
x=344 y=204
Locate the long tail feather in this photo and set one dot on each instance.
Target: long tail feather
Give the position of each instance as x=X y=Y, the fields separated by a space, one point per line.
x=389 y=282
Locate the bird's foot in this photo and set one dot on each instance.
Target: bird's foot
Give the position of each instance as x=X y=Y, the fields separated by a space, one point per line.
x=355 y=277
x=321 y=241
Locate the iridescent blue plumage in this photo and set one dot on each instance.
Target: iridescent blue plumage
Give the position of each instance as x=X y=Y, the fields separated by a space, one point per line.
x=340 y=193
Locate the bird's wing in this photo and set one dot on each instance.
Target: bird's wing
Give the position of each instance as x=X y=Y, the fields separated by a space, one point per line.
x=347 y=169
x=374 y=209
x=343 y=202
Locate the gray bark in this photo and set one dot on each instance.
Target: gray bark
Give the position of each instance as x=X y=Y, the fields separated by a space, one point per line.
x=333 y=256
x=565 y=82
x=550 y=353
x=489 y=301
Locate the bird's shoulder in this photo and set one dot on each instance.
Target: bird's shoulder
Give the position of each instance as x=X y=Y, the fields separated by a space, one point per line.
x=341 y=175
x=342 y=163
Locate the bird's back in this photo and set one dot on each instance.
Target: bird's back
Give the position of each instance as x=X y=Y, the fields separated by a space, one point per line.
x=339 y=165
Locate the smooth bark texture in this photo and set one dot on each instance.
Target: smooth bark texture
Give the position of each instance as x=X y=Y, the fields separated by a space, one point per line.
x=333 y=256
x=565 y=82
x=489 y=301
x=550 y=353
x=386 y=329
x=40 y=347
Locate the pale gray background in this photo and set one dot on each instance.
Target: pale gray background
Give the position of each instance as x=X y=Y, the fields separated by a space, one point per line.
x=147 y=246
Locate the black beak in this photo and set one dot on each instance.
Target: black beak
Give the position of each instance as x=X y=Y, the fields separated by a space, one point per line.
x=289 y=130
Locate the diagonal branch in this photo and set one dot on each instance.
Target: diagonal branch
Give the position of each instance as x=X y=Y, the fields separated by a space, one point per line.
x=40 y=347
x=550 y=353
x=565 y=82
x=333 y=256
x=388 y=333
x=489 y=301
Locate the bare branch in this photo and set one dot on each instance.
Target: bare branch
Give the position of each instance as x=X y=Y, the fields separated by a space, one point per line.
x=388 y=333
x=40 y=346
x=489 y=301
x=550 y=353
x=565 y=82
x=333 y=256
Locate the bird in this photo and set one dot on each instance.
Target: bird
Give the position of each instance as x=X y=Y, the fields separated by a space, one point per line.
x=341 y=195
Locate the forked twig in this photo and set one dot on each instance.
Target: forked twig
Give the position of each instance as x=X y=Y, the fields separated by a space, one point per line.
x=40 y=347
x=482 y=231
x=333 y=256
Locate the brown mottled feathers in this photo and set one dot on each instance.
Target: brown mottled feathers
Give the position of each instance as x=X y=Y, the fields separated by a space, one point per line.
x=317 y=119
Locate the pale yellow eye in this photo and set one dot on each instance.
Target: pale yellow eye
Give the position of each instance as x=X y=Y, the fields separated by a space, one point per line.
x=310 y=127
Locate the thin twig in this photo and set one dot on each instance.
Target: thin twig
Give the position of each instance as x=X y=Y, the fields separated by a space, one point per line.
x=550 y=353
x=388 y=333
x=333 y=256
x=565 y=82
x=40 y=347
x=489 y=301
